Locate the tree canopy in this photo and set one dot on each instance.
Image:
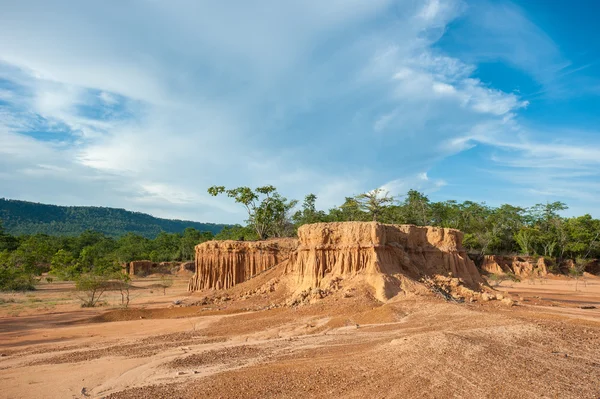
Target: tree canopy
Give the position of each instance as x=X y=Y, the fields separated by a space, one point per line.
x=67 y=257
x=26 y=218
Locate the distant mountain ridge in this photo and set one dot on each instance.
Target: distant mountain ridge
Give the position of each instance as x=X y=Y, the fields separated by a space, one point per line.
x=23 y=217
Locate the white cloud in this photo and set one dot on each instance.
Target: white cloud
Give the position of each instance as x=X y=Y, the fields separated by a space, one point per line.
x=108 y=98
x=160 y=101
x=420 y=182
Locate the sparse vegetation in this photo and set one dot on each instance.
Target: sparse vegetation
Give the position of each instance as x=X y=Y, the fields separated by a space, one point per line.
x=124 y=286
x=165 y=282
x=578 y=271
x=91 y=287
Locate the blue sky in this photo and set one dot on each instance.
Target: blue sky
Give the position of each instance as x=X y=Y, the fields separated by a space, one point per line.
x=143 y=104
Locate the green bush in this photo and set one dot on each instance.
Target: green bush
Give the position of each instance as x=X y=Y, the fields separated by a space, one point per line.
x=91 y=287
x=14 y=277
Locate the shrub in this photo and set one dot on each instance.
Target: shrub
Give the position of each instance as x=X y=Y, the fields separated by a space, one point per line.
x=14 y=277
x=91 y=287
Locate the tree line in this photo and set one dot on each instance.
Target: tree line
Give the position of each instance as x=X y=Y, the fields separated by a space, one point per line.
x=26 y=218
x=507 y=229
x=24 y=257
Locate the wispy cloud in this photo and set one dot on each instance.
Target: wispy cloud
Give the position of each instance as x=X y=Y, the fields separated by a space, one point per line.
x=501 y=31
x=336 y=98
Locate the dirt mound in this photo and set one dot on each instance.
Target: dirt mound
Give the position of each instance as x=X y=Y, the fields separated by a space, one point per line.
x=223 y=264
x=520 y=266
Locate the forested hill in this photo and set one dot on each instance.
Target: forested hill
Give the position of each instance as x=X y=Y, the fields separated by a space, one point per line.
x=22 y=217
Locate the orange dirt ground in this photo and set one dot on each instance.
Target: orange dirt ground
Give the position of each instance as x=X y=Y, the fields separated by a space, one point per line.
x=546 y=346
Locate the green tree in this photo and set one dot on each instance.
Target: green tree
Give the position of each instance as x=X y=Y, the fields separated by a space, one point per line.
x=374 y=202
x=281 y=224
x=14 y=276
x=7 y=241
x=309 y=213
x=416 y=208
x=132 y=247
x=268 y=212
x=349 y=211
x=503 y=223
x=445 y=214
x=583 y=237
x=238 y=233
x=526 y=238
x=165 y=247
x=64 y=265
x=546 y=219
x=190 y=238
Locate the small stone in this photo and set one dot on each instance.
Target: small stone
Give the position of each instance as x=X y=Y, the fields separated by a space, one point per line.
x=180 y=372
x=508 y=302
x=499 y=297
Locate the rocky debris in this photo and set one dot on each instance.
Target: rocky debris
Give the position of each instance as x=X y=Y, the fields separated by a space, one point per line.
x=145 y=347
x=263 y=290
x=507 y=301
x=216 y=356
x=223 y=264
x=485 y=297
x=308 y=296
x=520 y=266
x=450 y=288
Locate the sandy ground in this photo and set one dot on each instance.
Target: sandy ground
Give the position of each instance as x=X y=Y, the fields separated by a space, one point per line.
x=547 y=346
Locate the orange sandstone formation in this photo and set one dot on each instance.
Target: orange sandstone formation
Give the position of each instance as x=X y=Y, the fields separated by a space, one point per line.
x=521 y=266
x=140 y=267
x=389 y=258
x=223 y=264
x=187 y=266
